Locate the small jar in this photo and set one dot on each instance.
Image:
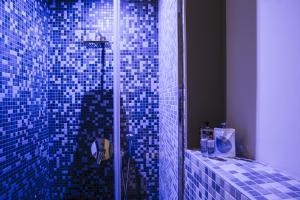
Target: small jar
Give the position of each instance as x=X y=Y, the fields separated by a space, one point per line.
x=203 y=145
x=204 y=133
x=210 y=147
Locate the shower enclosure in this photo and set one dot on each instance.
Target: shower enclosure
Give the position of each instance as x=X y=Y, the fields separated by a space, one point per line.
x=108 y=50
x=79 y=78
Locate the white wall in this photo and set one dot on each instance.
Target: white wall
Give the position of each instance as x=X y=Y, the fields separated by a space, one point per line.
x=278 y=88
x=241 y=73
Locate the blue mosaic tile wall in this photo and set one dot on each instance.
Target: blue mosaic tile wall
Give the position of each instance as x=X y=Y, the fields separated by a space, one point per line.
x=139 y=90
x=168 y=100
x=56 y=97
x=230 y=179
x=80 y=98
x=81 y=106
x=23 y=99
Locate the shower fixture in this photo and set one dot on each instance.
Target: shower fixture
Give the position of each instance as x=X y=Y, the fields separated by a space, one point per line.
x=101 y=42
x=125 y=172
x=101 y=149
x=97 y=41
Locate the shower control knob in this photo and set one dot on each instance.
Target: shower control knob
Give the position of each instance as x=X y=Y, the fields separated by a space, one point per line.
x=101 y=149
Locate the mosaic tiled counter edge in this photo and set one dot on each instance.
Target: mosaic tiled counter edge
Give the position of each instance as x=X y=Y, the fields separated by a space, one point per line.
x=209 y=178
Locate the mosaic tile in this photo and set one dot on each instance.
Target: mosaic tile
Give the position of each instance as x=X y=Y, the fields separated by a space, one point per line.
x=23 y=99
x=239 y=179
x=139 y=89
x=168 y=103
x=80 y=106
x=56 y=97
x=80 y=98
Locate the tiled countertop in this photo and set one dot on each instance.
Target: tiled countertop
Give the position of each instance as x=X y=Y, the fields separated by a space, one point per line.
x=239 y=179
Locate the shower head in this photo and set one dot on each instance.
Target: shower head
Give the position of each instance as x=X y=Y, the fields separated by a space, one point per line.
x=97 y=43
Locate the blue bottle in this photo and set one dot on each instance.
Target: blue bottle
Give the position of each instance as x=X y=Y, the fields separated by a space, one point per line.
x=204 y=133
x=211 y=145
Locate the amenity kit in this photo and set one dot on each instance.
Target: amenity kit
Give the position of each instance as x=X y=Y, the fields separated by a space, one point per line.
x=217 y=142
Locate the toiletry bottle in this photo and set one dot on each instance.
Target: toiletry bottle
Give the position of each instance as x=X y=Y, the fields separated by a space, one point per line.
x=223 y=125
x=203 y=142
x=211 y=145
x=203 y=138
